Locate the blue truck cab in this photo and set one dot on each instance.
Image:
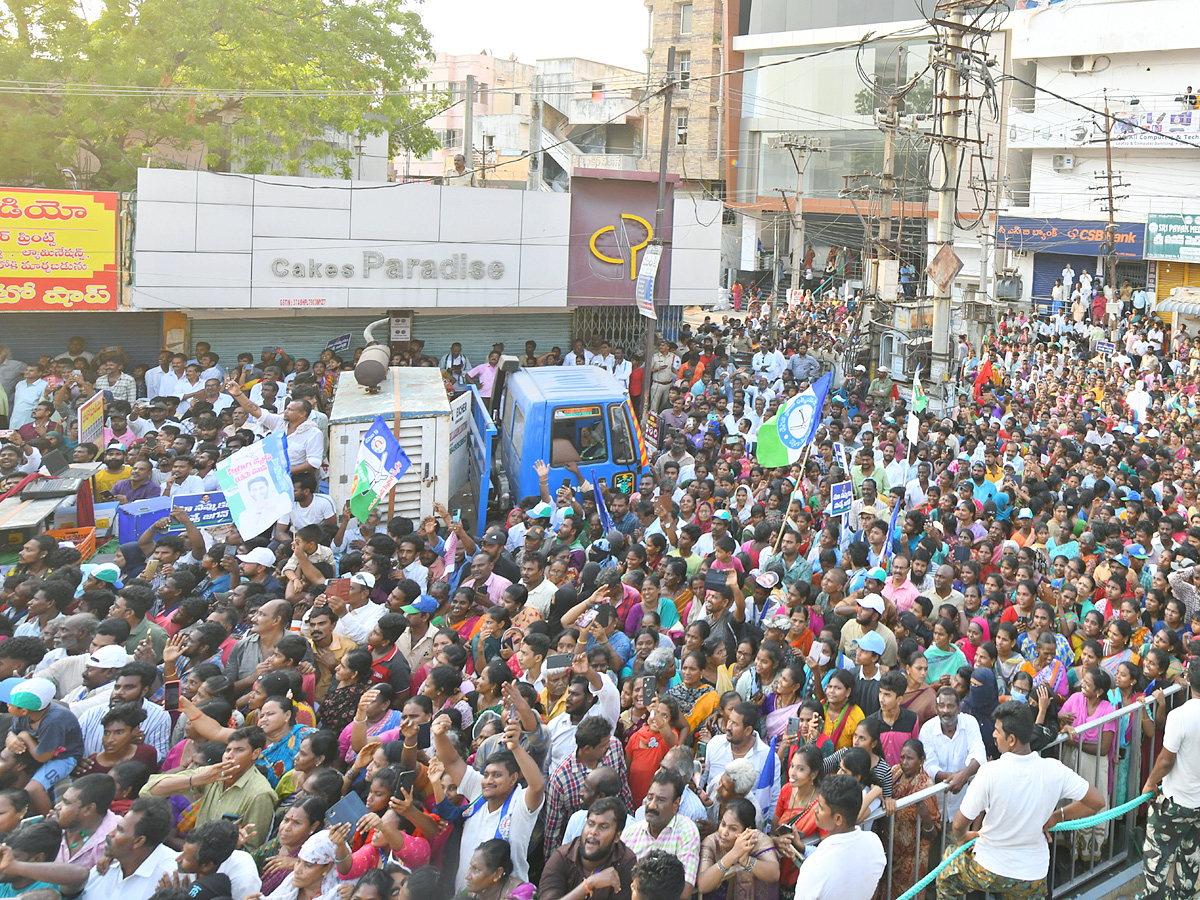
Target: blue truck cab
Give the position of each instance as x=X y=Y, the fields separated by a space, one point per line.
x=576 y=418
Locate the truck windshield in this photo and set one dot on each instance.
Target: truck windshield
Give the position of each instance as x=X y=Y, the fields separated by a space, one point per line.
x=577 y=435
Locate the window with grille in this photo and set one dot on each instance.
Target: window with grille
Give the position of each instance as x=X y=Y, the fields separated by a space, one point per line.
x=681 y=127
x=683 y=63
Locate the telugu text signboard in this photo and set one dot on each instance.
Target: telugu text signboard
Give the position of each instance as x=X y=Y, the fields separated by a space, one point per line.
x=1173 y=236
x=58 y=250
x=841 y=498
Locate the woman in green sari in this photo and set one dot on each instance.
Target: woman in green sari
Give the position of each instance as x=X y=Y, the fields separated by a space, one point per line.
x=943 y=656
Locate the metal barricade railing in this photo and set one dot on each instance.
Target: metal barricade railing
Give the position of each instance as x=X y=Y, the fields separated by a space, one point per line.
x=1117 y=850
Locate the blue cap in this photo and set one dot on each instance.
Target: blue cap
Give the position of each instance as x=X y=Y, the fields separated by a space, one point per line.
x=423 y=604
x=872 y=642
x=1136 y=551
x=1132 y=495
x=1122 y=559
x=6 y=687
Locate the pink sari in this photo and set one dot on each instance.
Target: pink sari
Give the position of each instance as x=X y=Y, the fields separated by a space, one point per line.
x=965 y=645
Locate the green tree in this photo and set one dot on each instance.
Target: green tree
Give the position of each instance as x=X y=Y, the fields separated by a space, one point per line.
x=185 y=82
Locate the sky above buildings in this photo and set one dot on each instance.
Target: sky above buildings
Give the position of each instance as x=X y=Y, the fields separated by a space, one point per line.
x=613 y=33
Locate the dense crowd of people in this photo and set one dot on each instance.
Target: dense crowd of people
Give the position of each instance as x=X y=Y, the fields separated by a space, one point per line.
x=726 y=690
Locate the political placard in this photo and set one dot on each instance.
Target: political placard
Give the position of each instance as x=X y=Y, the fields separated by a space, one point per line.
x=205 y=510
x=651 y=433
x=841 y=498
x=1106 y=347
x=644 y=288
x=91 y=420
x=257 y=486
x=841 y=455
x=339 y=343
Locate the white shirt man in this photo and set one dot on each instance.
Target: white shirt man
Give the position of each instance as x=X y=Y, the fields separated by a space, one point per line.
x=952 y=754
x=720 y=754
x=898 y=471
x=193 y=484
x=155 y=377
x=305 y=445
x=316 y=513
x=1182 y=737
x=256 y=392
x=139 y=885
x=418 y=573
x=914 y=494
x=607 y=703
x=1068 y=276
x=622 y=369
x=513 y=820
x=1011 y=843
x=242 y=873
x=769 y=363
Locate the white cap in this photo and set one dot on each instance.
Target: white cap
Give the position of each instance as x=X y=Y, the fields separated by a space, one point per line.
x=872 y=601
x=260 y=556
x=111 y=656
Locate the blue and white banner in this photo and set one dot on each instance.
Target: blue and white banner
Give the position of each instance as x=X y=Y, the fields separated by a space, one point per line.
x=206 y=510
x=841 y=498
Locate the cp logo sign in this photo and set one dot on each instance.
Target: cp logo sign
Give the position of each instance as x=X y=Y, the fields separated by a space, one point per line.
x=624 y=242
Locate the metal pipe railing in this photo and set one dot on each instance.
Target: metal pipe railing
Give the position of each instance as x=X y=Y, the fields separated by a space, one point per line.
x=1074 y=877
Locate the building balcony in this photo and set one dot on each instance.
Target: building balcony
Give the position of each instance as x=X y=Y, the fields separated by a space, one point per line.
x=618 y=162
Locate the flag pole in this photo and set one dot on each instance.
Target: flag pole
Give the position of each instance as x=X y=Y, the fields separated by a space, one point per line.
x=783 y=524
x=395 y=432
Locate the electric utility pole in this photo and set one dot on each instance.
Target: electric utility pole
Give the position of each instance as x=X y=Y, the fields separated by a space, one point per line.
x=1110 y=182
x=799 y=147
x=657 y=241
x=468 y=128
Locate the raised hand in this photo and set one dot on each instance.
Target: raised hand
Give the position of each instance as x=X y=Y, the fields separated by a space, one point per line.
x=365 y=755
x=173 y=649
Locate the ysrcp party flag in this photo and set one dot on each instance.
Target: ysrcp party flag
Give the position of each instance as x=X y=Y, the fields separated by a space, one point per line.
x=919 y=402
x=257 y=485
x=799 y=420
x=381 y=463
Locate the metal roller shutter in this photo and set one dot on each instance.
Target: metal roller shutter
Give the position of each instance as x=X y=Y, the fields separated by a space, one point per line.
x=1047 y=267
x=299 y=336
x=307 y=336
x=30 y=335
x=1175 y=274
x=478 y=331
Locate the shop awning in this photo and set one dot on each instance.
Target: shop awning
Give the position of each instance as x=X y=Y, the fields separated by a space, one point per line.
x=1188 y=307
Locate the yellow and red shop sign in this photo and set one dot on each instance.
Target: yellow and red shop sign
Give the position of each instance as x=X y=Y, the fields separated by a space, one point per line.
x=58 y=250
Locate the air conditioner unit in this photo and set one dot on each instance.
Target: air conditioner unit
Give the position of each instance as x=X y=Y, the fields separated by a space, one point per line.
x=1079 y=64
x=1063 y=162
